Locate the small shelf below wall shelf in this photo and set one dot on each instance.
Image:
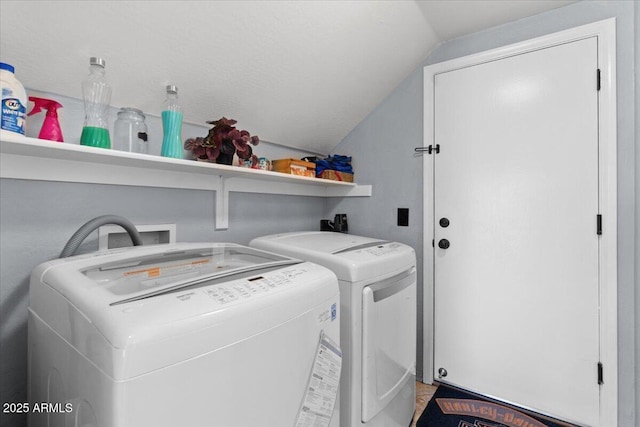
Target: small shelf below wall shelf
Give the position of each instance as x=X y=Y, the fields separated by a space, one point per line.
x=36 y=159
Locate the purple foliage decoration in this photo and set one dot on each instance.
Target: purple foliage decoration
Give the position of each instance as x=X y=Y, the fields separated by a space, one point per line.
x=222 y=141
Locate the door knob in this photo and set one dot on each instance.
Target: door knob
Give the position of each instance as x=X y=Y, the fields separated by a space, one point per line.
x=444 y=244
x=444 y=222
x=442 y=373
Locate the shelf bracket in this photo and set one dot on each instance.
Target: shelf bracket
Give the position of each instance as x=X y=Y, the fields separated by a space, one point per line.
x=222 y=205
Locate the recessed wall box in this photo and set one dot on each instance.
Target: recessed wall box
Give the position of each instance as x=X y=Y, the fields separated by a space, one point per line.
x=113 y=236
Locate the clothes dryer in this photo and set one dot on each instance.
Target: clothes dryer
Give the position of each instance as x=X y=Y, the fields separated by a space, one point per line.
x=378 y=327
x=195 y=335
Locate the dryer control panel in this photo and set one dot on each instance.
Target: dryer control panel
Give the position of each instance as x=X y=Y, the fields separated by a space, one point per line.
x=383 y=249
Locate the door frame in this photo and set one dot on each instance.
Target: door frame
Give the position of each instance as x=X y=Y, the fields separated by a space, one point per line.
x=605 y=31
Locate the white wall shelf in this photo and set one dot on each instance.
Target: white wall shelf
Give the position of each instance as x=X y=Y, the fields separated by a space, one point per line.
x=36 y=159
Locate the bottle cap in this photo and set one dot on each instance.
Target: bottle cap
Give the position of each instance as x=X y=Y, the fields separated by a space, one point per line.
x=97 y=61
x=172 y=89
x=8 y=67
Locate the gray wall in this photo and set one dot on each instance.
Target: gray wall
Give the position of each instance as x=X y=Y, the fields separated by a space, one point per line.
x=383 y=147
x=637 y=210
x=37 y=218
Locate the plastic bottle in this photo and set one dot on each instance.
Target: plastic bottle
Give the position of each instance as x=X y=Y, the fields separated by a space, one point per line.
x=50 y=127
x=14 y=103
x=172 y=125
x=97 y=96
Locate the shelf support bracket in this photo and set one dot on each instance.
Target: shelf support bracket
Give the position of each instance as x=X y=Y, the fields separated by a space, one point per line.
x=222 y=205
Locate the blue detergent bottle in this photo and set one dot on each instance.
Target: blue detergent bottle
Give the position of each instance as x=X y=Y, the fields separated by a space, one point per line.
x=172 y=125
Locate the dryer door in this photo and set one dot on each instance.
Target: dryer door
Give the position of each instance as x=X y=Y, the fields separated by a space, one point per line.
x=388 y=340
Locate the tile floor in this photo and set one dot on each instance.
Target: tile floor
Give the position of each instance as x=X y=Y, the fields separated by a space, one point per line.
x=424 y=392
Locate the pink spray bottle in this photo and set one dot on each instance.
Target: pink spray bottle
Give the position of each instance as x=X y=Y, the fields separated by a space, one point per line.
x=50 y=127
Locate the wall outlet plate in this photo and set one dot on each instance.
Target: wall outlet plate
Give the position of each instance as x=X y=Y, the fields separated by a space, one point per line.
x=403 y=217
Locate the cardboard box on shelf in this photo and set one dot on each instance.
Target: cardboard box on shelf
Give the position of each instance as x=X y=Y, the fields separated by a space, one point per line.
x=294 y=167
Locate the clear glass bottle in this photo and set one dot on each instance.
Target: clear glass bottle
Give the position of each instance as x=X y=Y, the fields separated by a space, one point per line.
x=172 y=125
x=130 y=131
x=96 y=92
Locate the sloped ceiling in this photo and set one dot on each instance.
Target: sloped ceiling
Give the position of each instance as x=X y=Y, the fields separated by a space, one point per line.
x=297 y=73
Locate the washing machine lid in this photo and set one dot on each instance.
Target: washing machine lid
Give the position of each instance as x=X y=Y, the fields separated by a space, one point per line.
x=146 y=276
x=352 y=258
x=327 y=242
x=134 y=310
x=133 y=274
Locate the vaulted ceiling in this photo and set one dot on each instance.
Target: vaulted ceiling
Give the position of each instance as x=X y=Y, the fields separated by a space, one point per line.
x=297 y=73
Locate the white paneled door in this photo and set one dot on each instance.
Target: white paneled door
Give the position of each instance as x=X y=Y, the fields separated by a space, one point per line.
x=516 y=204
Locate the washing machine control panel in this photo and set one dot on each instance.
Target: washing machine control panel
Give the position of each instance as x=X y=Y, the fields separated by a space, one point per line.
x=247 y=288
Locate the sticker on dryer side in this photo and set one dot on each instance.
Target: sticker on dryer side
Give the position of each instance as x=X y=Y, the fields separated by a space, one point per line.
x=322 y=388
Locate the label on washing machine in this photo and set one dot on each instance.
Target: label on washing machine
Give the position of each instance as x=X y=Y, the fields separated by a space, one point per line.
x=322 y=388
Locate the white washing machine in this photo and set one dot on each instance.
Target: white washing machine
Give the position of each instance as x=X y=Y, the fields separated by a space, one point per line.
x=378 y=327
x=196 y=335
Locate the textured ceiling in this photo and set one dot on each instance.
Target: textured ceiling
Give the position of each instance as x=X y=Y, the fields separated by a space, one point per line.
x=297 y=73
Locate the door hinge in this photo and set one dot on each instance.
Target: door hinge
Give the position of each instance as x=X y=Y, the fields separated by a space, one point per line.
x=599 y=224
x=600 y=374
x=433 y=243
x=598 y=79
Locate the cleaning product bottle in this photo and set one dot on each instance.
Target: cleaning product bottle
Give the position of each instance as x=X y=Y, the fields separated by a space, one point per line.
x=172 y=125
x=14 y=103
x=50 y=127
x=97 y=96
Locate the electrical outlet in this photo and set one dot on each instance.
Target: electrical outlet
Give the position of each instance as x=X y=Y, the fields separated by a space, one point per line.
x=403 y=217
